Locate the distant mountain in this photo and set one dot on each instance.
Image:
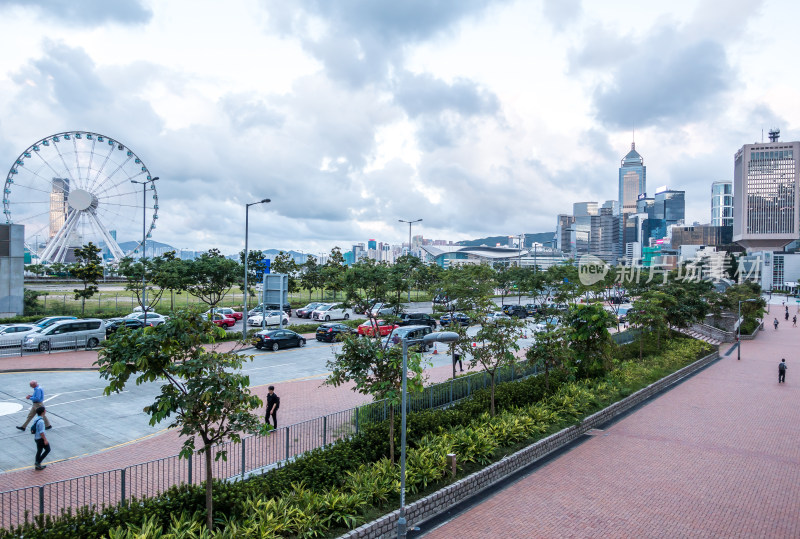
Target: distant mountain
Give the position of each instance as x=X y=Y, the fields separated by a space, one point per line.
x=491 y=241
x=157 y=245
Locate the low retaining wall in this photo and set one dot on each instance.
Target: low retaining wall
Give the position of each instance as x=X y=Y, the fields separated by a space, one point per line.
x=714 y=333
x=459 y=491
x=753 y=335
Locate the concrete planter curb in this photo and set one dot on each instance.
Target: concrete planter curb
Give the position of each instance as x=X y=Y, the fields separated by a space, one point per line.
x=473 y=484
x=752 y=335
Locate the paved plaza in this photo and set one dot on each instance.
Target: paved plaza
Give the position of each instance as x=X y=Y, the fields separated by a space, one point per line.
x=716 y=456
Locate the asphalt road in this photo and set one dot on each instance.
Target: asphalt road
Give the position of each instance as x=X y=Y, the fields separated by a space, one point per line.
x=88 y=421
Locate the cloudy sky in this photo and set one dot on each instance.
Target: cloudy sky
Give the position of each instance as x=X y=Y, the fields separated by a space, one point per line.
x=481 y=117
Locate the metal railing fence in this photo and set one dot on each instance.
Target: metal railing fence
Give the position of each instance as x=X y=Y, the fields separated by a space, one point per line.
x=254 y=453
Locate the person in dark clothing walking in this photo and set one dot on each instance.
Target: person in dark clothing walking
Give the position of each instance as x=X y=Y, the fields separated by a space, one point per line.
x=457 y=359
x=273 y=403
x=775 y=323
x=42 y=445
x=787 y=315
x=782 y=371
x=794 y=321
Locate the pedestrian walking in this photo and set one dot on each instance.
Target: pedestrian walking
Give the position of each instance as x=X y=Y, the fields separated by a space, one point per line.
x=37 y=401
x=775 y=323
x=457 y=359
x=782 y=371
x=794 y=321
x=273 y=403
x=42 y=444
x=787 y=315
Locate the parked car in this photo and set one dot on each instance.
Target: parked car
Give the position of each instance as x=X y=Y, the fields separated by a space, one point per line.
x=66 y=334
x=275 y=339
x=384 y=309
x=368 y=328
x=50 y=320
x=369 y=303
x=273 y=318
x=531 y=309
x=618 y=300
x=417 y=319
x=515 y=311
x=495 y=316
x=270 y=307
x=622 y=315
x=223 y=320
x=333 y=331
x=440 y=298
x=115 y=323
x=152 y=319
x=12 y=334
x=227 y=311
x=409 y=333
x=456 y=318
x=547 y=323
x=330 y=311
x=305 y=312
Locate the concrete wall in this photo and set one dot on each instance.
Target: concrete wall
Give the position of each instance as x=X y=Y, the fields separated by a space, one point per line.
x=459 y=491
x=12 y=269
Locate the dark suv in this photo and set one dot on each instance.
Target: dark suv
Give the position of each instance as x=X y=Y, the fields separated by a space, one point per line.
x=417 y=319
x=517 y=311
x=531 y=309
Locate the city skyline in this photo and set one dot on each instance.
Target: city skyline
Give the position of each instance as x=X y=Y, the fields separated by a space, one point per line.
x=350 y=116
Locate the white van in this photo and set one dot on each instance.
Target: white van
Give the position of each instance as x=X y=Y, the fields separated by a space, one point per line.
x=88 y=333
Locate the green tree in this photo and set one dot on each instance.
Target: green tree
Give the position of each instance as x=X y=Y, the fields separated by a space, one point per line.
x=311 y=276
x=503 y=279
x=168 y=273
x=590 y=339
x=376 y=370
x=139 y=277
x=255 y=260
x=649 y=314
x=36 y=269
x=88 y=267
x=210 y=276
x=496 y=346
x=30 y=300
x=58 y=269
x=364 y=282
x=204 y=393
x=284 y=263
x=551 y=350
x=333 y=271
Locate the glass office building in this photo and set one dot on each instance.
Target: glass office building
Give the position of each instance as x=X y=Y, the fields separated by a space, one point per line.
x=632 y=180
x=722 y=203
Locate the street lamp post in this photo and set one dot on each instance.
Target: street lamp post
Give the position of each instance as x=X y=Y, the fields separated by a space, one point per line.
x=409 y=250
x=440 y=336
x=144 y=242
x=739 y=328
x=246 y=231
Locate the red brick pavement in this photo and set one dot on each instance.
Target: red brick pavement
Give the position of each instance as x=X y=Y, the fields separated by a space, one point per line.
x=716 y=456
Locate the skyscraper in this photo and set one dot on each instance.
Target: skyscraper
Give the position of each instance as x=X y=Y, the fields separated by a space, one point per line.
x=59 y=192
x=632 y=180
x=722 y=203
x=765 y=202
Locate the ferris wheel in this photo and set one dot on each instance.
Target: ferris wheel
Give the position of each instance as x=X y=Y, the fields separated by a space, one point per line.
x=73 y=188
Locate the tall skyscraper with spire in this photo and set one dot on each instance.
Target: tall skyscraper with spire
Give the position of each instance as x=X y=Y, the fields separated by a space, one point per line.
x=632 y=180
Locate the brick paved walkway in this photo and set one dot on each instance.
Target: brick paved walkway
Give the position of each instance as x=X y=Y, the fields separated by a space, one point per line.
x=717 y=456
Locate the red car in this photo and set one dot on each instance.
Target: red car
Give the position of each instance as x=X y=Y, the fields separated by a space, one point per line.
x=368 y=328
x=227 y=311
x=222 y=320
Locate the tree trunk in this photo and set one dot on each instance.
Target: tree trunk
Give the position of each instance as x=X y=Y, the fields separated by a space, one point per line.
x=83 y=304
x=209 y=485
x=546 y=376
x=641 y=338
x=391 y=433
x=492 y=401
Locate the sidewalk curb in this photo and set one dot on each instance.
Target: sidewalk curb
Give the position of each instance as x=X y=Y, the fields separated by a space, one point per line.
x=51 y=369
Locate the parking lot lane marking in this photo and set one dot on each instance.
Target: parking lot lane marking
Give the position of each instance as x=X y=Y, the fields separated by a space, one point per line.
x=311 y=377
x=86 y=399
x=53 y=397
x=270 y=367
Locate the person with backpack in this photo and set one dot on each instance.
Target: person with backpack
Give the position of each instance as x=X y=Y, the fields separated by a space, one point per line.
x=273 y=403
x=775 y=323
x=782 y=371
x=42 y=444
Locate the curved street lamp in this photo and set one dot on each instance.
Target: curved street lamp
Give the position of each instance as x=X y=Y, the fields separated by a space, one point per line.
x=246 y=230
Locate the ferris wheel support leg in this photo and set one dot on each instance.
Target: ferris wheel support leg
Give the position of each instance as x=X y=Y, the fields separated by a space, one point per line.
x=55 y=249
x=112 y=245
x=69 y=227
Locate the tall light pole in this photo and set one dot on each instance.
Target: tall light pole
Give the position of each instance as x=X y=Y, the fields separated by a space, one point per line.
x=439 y=336
x=144 y=242
x=409 y=250
x=246 y=231
x=739 y=328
